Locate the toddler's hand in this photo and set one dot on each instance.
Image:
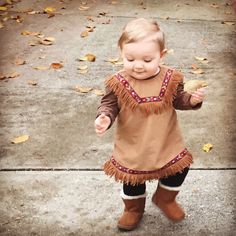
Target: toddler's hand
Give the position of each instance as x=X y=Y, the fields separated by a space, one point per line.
x=101 y=123
x=197 y=96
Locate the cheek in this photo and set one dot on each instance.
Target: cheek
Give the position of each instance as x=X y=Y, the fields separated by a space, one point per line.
x=127 y=65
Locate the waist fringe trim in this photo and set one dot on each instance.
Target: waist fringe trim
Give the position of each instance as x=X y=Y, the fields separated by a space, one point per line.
x=123 y=174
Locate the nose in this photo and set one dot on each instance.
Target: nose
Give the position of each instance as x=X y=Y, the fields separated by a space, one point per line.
x=138 y=65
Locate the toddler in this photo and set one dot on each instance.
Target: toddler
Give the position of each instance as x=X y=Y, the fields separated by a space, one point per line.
x=148 y=144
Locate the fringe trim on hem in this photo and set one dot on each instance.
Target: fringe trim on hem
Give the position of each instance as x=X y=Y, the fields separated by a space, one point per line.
x=134 y=179
x=147 y=107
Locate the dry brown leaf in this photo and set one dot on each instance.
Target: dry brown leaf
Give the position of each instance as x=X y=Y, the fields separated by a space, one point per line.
x=82 y=89
x=90 y=28
x=49 y=10
x=13 y=75
x=2 y=76
x=32 y=82
x=112 y=60
x=83 y=8
x=83 y=67
x=90 y=18
x=194 y=66
x=19 y=61
x=84 y=34
x=201 y=58
x=98 y=92
x=197 y=72
x=42 y=57
x=33 y=43
x=56 y=65
x=20 y=139
x=90 y=57
x=1 y=25
x=228 y=22
x=41 y=67
x=214 y=5
x=83 y=71
x=47 y=41
x=193 y=85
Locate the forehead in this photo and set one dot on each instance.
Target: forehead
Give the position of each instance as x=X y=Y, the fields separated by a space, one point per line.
x=143 y=47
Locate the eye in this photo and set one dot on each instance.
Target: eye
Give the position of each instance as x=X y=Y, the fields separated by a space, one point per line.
x=130 y=60
x=148 y=60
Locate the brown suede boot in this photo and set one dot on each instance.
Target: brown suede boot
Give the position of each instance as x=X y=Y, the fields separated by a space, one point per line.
x=133 y=213
x=165 y=200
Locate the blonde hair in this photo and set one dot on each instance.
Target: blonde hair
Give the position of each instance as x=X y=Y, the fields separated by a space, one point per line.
x=139 y=29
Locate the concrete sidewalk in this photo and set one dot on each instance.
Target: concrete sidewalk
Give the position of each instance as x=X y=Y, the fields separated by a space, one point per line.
x=52 y=184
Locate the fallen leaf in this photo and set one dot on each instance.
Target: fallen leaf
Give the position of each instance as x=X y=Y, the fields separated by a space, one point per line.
x=33 y=43
x=228 y=22
x=41 y=67
x=2 y=76
x=84 y=34
x=19 y=61
x=20 y=139
x=32 y=82
x=42 y=57
x=194 y=66
x=90 y=28
x=112 y=60
x=197 y=72
x=83 y=8
x=1 y=25
x=83 y=71
x=193 y=85
x=56 y=65
x=49 y=10
x=3 y=8
x=82 y=89
x=33 y=12
x=201 y=58
x=47 y=41
x=98 y=92
x=26 y=32
x=214 y=5
x=207 y=147
x=13 y=75
x=90 y=57
x=83 y=67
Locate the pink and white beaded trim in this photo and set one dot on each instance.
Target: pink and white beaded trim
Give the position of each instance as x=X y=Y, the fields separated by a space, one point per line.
x=130 y=171
x=158 y=98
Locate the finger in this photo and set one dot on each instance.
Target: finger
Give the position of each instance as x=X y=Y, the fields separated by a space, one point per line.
x=102 y=116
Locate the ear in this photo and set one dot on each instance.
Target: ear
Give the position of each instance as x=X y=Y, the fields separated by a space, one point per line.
x=163 y=52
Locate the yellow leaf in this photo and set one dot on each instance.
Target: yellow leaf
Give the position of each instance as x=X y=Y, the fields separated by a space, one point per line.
x=32 y=82
x=207 y=147
x=41 y=67
x=3 y=8
x=98 y=92
x=83 y=59
x=82 y=89
x=90 y=57
x=84 y=34
x=26 y=32
x=112 y=60
x=197 y=72
x=56 y=65
x=49 y=9
x=20 y=139
x=201 y=58
x=1 y=25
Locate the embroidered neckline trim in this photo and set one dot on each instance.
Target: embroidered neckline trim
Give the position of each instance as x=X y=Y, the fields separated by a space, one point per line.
x=139 y=99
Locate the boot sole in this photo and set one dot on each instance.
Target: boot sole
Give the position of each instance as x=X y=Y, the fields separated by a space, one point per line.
x=127 y=228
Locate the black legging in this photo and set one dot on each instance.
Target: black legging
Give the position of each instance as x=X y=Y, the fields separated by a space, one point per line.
x=171 y=181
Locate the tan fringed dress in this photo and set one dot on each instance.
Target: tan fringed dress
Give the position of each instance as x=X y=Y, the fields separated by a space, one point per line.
x=148 y=142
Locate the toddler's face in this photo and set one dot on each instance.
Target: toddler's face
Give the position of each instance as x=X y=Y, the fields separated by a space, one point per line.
x=141 y=59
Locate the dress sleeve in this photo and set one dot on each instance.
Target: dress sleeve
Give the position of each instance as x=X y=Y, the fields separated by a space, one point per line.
x=109 y=106
x=182 y=99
